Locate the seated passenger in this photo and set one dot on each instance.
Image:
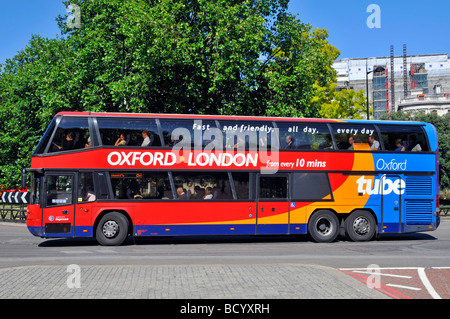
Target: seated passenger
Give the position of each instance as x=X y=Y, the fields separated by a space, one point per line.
x=121 y=141
x=289 y=142
x=181 y=194
x=374 y=144
x=351 y=140
x=208 y=193
x=414 y=146
x=399 y=144
x=88 y=144
x=67 y=144
x=148 y=140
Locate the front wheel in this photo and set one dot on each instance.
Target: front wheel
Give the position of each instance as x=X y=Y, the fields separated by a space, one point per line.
x=360 y=225
x=323 y=226
x=112 y=230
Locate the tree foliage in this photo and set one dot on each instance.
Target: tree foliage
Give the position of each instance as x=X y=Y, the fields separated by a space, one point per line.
x=344 y=104
x=246 y=57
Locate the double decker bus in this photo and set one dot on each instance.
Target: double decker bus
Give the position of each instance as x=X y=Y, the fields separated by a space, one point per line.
x=114 y=175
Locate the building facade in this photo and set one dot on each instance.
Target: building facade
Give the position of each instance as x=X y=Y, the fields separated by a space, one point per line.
x=409 y=83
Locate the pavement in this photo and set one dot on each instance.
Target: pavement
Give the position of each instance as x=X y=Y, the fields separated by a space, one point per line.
x=188 y=281
x=260 y=281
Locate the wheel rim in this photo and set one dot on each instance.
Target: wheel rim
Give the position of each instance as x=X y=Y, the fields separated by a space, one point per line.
x=324 y=226
x=361 y=225
x=110 y=229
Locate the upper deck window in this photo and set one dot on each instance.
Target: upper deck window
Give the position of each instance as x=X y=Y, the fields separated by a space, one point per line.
x=248 y=135
x=72 y=133
x=404 y=138
x=304 y=136
x=128 y=132
x=197 y=134
x=362 y=137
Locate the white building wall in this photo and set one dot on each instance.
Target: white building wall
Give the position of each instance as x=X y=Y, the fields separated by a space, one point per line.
x=352 y=74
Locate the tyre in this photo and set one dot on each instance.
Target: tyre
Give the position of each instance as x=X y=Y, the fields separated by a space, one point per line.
x=360 y=226
x=323 y=226
x=112 y=230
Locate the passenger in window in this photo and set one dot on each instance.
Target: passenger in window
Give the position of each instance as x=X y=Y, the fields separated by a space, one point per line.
x=374 y=144
x=351 y=140
x=289 y=142
x=399 y=145
x=414 y=146
x=90 y=196
x=208 y=193
x=88 y=144
x=148 y=140
x=181 y=194
x=67 y=144
x=121 y=141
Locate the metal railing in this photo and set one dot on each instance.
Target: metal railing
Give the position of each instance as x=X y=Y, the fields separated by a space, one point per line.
x=13 y=212
x=444 y=210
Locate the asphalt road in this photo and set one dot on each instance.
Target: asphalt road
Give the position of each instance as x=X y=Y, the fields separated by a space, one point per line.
x=398 y=266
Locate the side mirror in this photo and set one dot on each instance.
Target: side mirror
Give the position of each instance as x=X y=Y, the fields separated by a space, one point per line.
x=24 y=178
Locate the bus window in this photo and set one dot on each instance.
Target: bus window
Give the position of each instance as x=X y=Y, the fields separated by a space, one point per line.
x=310 y=187
x=248 y=135
x=412 y=138
x=72 y=133
x=59 y=190
x=202 y=186
x=356 y=137
x=241 y=184
x=197 y=134
x=273 y=187
x=35 y=188
x=135 y=132
x=304 y=136
x=149 y=185
x=86 y=191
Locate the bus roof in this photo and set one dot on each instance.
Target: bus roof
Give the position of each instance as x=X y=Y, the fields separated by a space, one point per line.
x=229 y=117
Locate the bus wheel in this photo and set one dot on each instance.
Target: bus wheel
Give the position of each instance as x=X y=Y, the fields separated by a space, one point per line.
x=112 y=230
x=360 y=225
x=323 y=226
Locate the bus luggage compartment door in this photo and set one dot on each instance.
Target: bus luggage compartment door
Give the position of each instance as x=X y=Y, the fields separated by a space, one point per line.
x=273 y=204
x=392 y=189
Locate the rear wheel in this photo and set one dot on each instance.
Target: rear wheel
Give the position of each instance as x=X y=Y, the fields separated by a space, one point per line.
x=360 y=225
x=323 y=226
x=112 y=230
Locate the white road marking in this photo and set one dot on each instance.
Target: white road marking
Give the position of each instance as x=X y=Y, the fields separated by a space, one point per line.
x=404 y=287
x=75 y=252
x=420 y=270
x=427 y=283
x=381 y=274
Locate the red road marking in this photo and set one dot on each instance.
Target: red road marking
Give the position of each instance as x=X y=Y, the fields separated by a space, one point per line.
x=417 y=282
x=382 y=288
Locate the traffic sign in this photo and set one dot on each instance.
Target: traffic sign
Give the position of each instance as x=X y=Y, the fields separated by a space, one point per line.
x=16 y=197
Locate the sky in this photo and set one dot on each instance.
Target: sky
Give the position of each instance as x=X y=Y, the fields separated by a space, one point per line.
x=423 y=26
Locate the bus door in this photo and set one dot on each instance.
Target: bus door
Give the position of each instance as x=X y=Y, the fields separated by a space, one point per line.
x=272 y=204
x=392 y=189
x=58 y=214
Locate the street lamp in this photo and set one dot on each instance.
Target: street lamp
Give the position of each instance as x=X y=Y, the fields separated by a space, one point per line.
x=377 y=69
x=121 y=38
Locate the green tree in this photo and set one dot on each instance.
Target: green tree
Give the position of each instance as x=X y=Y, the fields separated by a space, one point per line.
x=247 y=57
x=344 y=104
